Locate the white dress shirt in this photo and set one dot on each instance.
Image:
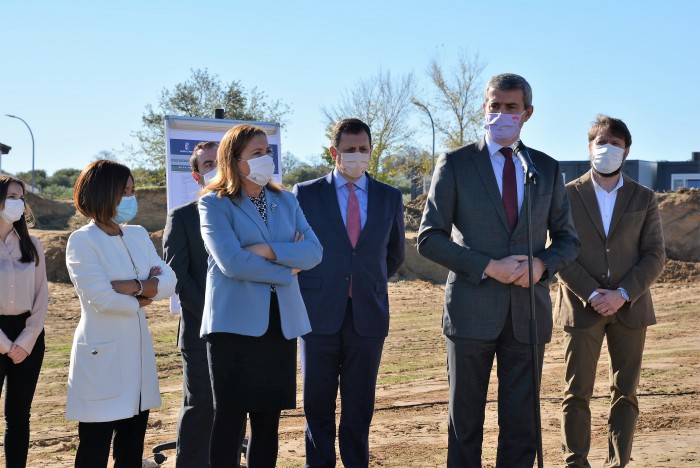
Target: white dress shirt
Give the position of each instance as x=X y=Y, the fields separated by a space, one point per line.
x=606 y=205
x=606 y=201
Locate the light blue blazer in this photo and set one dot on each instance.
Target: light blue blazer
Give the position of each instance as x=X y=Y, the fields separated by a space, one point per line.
x=237 y=298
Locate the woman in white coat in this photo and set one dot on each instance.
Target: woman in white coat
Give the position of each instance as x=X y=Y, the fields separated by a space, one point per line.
x=113 y=381
x=258 y=240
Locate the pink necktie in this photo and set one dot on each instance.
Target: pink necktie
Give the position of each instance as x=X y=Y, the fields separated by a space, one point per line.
x=510 y=189
x=353 y=223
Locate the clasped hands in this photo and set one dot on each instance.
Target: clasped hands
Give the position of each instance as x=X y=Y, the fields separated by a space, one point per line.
x=17 y=353
x=607 y=302
x=130 y=287
x=266 y=252
x=514 y=270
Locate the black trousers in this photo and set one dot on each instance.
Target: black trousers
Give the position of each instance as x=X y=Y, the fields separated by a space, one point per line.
x=20 y=383
x=96 y=438
x=197 y=412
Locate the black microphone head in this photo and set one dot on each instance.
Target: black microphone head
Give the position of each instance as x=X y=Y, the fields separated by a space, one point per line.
x=520 y=148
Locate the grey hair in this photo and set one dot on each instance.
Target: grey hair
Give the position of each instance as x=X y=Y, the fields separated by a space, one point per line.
x=508 y=81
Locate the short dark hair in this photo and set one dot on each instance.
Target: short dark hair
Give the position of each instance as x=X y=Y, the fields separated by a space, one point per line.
x=508 y=81
x=200 y=146
x=26 y=246
x=99 y=188
x=616 y=127
x=351 y=127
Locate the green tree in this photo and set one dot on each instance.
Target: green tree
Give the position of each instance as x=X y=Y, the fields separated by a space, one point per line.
x=383 y=103
x=456 y=99
x=64 y=178
x=40 y=178
x=199 y=96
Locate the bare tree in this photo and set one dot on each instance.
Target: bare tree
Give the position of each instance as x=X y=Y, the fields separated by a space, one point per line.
x=457 y=99
x=384 y=104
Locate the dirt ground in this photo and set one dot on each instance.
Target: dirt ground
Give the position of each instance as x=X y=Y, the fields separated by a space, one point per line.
x=409 y=427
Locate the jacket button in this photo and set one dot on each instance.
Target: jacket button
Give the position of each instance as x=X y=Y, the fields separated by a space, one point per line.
x=93 y=352
x=354 y=254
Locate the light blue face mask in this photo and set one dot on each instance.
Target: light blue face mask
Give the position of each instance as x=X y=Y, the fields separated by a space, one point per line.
x=126 y=210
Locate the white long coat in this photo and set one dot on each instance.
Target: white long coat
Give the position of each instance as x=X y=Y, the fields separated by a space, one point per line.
x=112 y=362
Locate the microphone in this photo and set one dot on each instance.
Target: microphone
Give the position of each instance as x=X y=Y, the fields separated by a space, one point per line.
x=529 y=167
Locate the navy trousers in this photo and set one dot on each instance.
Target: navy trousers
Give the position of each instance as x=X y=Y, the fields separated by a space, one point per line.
x=350 y=361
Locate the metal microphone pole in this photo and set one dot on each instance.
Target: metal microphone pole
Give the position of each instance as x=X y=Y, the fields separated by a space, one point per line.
x=530 y=180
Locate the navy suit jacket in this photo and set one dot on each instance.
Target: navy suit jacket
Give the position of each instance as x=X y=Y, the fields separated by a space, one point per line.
x=379 y=253
x=183 y=250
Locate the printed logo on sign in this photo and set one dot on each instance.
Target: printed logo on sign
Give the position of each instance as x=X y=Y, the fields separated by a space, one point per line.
x=182 y=147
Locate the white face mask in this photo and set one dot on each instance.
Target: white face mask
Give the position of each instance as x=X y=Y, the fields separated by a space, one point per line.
x=503 y=128
x=209 y=175
x=261 y=169
x=354 y=164
x=13 y=211
x=607 y=158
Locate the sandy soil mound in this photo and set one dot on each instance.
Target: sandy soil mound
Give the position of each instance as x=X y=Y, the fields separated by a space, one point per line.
x=680 y=212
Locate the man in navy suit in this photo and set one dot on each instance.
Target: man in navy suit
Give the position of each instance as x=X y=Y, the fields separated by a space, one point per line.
x=183 y=249
x=359 y=222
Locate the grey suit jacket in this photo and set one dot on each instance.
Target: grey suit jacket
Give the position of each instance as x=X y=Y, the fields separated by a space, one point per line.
x=464 y=226
x=631 y=256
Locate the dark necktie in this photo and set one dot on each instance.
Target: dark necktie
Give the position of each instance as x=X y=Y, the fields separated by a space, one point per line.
x=353 y=223
x=510 y=189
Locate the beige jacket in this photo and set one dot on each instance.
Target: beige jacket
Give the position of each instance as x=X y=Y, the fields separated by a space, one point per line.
x=632 y=255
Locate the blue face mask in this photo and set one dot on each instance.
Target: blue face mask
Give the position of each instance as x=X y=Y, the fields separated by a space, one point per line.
x=126 y=210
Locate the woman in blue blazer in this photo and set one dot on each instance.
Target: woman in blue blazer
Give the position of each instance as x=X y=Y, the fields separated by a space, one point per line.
x=258 y=240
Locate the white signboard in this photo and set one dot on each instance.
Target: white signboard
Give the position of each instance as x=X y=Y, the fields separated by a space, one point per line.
x=182 y=134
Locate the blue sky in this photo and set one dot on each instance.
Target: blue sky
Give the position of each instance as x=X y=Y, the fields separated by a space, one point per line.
x=81 y=73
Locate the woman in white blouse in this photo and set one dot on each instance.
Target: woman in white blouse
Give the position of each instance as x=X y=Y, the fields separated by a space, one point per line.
x=24 y=298
x=113 y=381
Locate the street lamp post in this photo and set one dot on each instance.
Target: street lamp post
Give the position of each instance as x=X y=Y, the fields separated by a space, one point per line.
x=425 y=108
x=32 y=135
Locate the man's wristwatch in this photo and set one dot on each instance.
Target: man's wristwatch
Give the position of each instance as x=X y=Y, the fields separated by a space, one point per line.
x=140 y=287
x=624 y=294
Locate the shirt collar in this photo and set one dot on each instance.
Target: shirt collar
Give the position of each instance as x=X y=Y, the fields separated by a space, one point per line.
x=495 y=147
x=340 y=181
x=598 y=187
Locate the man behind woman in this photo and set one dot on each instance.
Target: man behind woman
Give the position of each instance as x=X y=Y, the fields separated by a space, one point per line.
x=258 y=240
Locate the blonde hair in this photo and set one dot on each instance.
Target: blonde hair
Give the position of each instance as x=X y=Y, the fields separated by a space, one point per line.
x=228 y=179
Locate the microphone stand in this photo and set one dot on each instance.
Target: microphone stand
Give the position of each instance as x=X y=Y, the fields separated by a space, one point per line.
x=531 y=177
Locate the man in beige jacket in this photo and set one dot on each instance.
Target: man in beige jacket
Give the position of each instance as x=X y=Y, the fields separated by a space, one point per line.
x=605 y=292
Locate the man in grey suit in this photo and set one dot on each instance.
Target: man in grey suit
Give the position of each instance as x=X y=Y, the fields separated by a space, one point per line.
x=184 y=251
x=474 y=224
